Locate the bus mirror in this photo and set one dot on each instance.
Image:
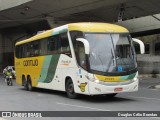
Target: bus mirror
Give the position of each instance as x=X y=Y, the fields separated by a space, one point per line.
x=142 y=47
x=86 y=44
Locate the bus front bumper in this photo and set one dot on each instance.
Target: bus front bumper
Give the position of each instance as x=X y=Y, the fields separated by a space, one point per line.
x=99 y=89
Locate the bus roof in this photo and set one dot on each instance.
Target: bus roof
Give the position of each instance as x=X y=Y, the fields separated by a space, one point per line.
x=96 y=27
x=84 y=27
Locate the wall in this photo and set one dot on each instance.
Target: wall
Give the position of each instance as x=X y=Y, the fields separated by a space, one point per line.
x=148 y=64
x=8 y=38
x=1 y=51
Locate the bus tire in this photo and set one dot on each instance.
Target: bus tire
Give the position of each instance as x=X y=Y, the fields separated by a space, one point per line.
x=70 y=89
x=29 y=84
x=24 y=82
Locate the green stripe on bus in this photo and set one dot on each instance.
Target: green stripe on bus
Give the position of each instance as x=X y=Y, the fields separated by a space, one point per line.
x=132 y=76
x=49 y=68
x=124 y=77
x=128 y=77
x=45 y=67
x=52 y=68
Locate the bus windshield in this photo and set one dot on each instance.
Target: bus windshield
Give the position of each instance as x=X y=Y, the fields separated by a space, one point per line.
x=111 y=52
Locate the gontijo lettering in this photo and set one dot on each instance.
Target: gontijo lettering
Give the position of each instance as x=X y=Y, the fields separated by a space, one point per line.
x=30 y=62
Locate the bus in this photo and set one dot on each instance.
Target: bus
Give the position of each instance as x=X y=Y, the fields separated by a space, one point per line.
x=79 y=58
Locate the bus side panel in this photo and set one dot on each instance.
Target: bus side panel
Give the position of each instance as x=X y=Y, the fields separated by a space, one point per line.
x=50 y=73
x=29 y=67
x=77 y=74
x=81 y=83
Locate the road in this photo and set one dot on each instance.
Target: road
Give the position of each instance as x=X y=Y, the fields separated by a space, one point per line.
x=15 y=98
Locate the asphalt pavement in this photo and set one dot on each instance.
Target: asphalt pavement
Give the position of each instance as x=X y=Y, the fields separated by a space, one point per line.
x=16 y=98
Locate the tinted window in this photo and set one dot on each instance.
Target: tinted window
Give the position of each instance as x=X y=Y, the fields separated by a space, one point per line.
x=35 y=48
x=63 y=44
x=57 y=44
x=52 y=44
x=18 y=51
x=43 y=48
x=74 y=36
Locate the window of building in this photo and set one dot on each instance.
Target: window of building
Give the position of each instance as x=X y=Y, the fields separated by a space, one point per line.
x=157 y=48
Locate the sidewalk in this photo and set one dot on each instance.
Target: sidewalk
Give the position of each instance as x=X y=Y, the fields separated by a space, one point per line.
x=149 y=76
x=150 y=79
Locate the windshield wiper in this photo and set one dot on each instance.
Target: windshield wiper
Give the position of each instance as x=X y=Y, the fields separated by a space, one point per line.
x=112 y=56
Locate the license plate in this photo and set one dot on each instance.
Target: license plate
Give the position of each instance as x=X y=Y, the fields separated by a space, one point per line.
x=118 y=89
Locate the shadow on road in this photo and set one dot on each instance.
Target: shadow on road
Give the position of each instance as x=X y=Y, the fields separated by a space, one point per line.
x=85 y=98
x=104 y=99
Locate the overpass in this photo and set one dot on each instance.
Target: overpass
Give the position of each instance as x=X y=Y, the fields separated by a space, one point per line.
x=20 y=19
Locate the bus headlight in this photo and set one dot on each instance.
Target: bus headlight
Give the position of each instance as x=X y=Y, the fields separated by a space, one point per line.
x=96 y=81
x=92 y=79
x=135 y=79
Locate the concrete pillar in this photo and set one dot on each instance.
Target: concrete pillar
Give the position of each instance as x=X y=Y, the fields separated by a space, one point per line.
x=1 y=53
x=152 y=48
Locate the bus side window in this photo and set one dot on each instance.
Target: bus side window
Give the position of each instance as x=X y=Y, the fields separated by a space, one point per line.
x=19 y=51
x=74 y=36
x=27 y=50
x=65 y=47
x=23 y=51
x=43 y=48
x=51 y=45
x=35 y=47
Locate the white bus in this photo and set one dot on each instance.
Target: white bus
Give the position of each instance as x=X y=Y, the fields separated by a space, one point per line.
x=79 y=58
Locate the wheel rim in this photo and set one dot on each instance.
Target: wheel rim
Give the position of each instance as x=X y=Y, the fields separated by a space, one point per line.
x=70 y=88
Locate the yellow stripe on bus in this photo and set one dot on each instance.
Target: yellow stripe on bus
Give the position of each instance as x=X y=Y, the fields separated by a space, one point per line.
x=37 y=37
x=96 y=27
x=108 y=78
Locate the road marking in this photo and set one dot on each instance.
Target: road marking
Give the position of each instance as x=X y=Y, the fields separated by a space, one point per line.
x=83 y=107
x=145 y=98
x=2 y=118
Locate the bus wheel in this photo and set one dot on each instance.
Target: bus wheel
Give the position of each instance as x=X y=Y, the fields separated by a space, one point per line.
x=70 y=89
x=29 y=84
x=24 y=82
